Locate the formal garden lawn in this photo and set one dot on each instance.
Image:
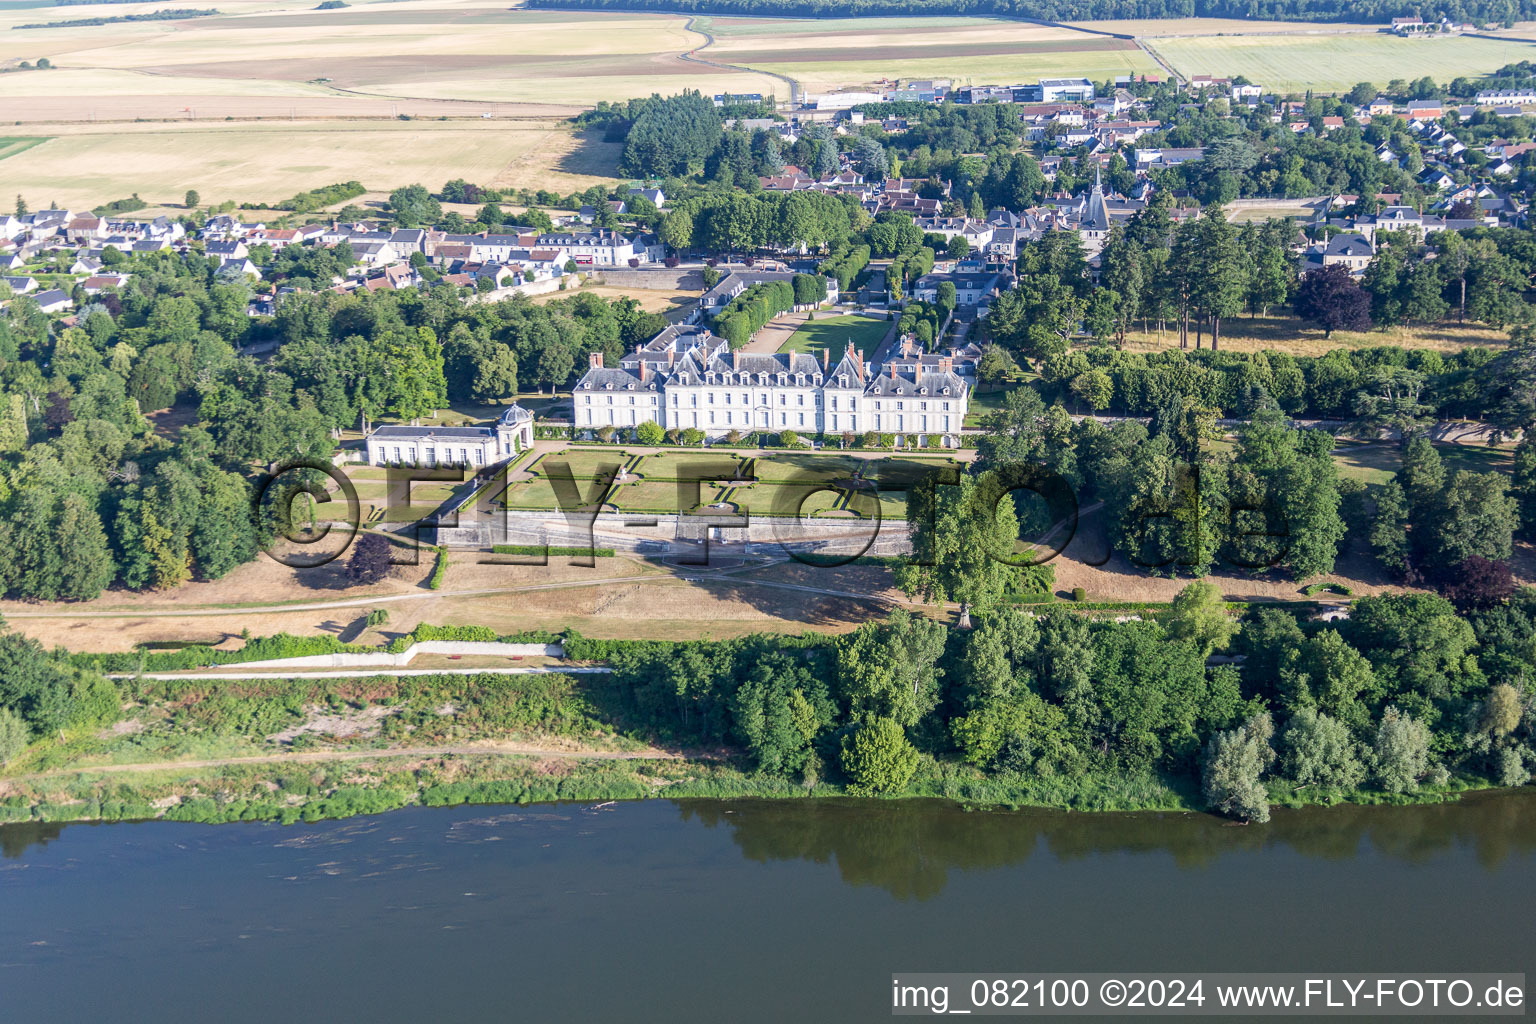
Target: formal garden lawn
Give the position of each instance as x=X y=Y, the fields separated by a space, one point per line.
x=786 y=484
x=834 y=333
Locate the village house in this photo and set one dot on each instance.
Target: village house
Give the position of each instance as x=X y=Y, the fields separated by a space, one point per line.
x=1351 y=250
x=53 y=301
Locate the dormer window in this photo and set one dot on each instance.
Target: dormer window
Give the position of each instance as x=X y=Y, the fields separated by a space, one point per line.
x=608 y=386
x=842 y=381
x=631 y=385
x=800 y=380
x=922 y=391
x=762 y=379
x=901 y=391
x=783 y=379
x=588 y=385
x=946 y=391
x=818 y=380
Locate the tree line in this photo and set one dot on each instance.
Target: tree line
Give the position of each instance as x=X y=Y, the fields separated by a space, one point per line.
x=1405 y=694
x=1502 y=11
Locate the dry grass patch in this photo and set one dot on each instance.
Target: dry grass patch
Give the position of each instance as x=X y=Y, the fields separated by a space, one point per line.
x=650 y=300
x=1288 y=334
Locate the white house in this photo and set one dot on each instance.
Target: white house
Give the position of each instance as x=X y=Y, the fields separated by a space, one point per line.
x=474 y=447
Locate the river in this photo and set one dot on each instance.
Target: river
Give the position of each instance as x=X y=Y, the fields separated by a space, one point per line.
x=729 y=911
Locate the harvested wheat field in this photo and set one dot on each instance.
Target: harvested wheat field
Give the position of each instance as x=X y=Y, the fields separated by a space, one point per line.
x=268 y=161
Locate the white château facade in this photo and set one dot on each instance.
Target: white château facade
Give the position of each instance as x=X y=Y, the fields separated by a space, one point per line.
x=687 y=378
x=474 y=447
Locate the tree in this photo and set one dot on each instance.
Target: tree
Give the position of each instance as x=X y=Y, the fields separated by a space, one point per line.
x=1235 y=762
x=191 y=199
x=13 y=735
x=1389 y=401
x=959 y=248
x=1474 y=517
x=878 y=759
x=1361 y=94
x=413 y=206
x=1200 y=616
x=1400 y=755
x=870 y=158
x=495 y=375
x=1319 y=751
x=1333 y=300
x=1095 y=388
x=995 y=365
x=370 y=561
x=85 y=565
x=1478 y=583
x=962 y=537
x=650 y=432
x=890 y=669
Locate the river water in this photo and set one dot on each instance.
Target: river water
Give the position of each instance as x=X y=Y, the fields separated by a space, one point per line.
x=730 y=911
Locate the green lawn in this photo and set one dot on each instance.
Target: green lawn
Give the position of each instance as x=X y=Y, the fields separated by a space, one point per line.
x=982 y=403
x=785 y=482
x=1375 y=464
x=834 y=333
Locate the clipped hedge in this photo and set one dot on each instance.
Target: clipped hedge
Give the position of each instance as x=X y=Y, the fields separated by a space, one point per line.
x=534 y=549
x=440 y=569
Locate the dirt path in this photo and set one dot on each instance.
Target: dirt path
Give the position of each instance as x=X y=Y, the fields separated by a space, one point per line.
x=709 y=40
x=320 y=606
x=370 y=671
x=312 y=756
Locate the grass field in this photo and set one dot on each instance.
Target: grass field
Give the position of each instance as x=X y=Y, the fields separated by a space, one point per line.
x=1295 y=63
x=1375 y=463
x=268 y=161
x=834 y=333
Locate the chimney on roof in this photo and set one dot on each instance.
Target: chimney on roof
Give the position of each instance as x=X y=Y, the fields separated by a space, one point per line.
x=645 y=371
x=736 y=359
x=906 y=346
x=825 y=355
x=790 y=362
x=671 y=356
x=946 y=364
x=595 y=361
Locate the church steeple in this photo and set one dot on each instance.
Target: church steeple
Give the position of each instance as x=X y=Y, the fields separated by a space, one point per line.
x=1096 y=216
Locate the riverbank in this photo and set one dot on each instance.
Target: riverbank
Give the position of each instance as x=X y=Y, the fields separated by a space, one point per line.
x=315 y=785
